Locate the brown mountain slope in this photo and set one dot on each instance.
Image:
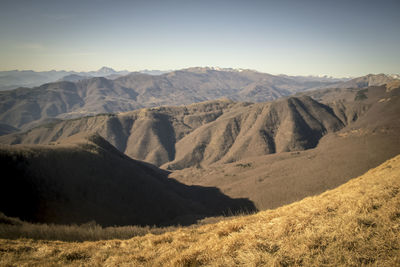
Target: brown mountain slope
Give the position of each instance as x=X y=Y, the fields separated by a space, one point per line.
x=209 y=135
x=200 y=134
x=254 y=130
x=366 y=81
x=356 y=224
x=274 y=180
x=85 y=179
x=28 y=78
x=130 y=132
x=24 y=108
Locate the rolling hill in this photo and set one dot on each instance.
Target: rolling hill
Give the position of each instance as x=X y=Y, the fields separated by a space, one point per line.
x=354 y=224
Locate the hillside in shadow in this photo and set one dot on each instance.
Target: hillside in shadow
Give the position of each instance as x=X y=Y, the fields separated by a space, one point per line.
x=86 y=179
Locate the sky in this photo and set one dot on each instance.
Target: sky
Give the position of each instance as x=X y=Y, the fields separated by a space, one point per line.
x=310 y=37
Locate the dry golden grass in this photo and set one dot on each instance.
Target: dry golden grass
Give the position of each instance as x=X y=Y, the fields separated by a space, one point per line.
x=13 y=228
x=354 y=225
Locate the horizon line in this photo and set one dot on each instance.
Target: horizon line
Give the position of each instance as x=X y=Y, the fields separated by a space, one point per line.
x=217 y=68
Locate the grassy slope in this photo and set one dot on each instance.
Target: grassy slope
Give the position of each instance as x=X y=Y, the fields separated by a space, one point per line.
x=358 y=223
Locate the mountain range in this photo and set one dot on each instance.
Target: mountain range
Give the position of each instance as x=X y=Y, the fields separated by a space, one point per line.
x=28 y=78
x=368 y=137
x=271 y=153
x=24 y=108
x=201 y=133
x=191 y=143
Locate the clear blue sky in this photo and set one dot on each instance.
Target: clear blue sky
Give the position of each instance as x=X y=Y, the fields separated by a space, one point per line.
x=338 y=38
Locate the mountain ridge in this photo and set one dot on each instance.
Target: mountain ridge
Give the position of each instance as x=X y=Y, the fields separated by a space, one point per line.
x=24 y=108
x=203 y=133
x=28 y=78
x=336 y=133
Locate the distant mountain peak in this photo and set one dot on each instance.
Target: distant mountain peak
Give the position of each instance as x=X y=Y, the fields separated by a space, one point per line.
x=205 y=69
x=367 y=80
x=154 y=72
x=106 y=70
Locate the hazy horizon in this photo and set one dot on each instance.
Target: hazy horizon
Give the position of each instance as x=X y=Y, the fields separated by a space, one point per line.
x=333 y=38
x=211 y=67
